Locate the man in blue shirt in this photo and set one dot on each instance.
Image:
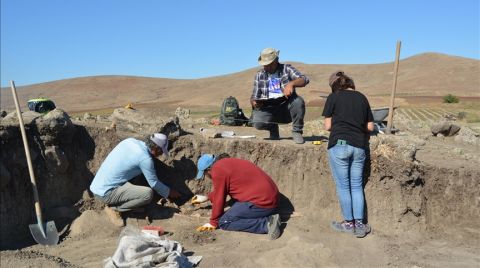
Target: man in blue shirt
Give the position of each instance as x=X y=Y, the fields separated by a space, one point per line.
x=274 y=98
x=130 y=158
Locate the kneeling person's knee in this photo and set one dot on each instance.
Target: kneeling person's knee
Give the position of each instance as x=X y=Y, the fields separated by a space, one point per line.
x=147 y=196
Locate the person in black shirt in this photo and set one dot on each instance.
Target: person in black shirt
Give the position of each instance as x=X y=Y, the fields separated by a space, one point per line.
x=349 y=119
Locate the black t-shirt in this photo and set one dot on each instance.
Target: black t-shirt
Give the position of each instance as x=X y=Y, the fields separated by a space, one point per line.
x=350 y=113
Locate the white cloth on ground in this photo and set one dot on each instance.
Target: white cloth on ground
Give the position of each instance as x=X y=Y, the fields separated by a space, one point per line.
x=138 y=249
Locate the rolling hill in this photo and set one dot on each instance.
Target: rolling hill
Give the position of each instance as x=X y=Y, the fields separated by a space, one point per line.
x=429 y=74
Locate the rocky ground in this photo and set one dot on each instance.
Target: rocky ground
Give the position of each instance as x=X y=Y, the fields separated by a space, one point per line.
x=421 y=194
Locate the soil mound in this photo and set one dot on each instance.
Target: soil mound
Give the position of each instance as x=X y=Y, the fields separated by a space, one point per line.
x=92 y=223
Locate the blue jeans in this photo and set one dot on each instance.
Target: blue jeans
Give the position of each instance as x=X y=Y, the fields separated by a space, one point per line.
x=246 y=217
x=346 y=163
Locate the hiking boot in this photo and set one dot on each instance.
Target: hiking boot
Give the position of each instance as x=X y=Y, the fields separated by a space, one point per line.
x=114 y=216
x=361 y=229
x=344 y=226
x=298 y=138
x=273 y=226
x=274 y=133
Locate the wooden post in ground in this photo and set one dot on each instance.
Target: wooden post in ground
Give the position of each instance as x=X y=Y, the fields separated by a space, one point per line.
x=394 y=88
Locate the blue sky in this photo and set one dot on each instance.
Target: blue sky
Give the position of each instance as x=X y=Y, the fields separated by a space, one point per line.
x=56 y=39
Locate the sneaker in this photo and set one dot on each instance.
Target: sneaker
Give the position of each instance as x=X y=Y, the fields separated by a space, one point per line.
x=344 y=226
x=273 y=226
x=274 y=133
x=298 y=138
x=114 y=216
x=361 y=229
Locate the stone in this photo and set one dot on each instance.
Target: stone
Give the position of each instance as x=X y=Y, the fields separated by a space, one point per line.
x=454 y=129
x=445 y=128
x=55 y=127
x=468 y=135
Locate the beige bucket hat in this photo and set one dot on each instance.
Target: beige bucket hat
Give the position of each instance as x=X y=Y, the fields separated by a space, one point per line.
x=268 y=55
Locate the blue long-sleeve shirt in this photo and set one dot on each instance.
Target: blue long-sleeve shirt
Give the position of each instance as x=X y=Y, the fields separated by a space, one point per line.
x=127 y=160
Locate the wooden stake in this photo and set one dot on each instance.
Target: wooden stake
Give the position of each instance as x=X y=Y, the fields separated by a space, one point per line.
x=394 y=88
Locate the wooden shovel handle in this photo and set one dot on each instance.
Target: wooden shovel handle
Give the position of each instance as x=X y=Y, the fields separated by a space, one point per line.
x=38 y=210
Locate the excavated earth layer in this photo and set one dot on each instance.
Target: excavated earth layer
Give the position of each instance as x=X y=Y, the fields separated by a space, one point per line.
x=411 y=206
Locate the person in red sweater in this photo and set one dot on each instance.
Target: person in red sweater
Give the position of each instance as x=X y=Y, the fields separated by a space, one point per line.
x=255 y=194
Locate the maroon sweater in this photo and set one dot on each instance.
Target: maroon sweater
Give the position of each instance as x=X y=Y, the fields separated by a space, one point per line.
x=244 y=182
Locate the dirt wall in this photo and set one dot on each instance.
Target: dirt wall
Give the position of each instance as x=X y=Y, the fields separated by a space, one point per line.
x=63 y=158
x=401 y=193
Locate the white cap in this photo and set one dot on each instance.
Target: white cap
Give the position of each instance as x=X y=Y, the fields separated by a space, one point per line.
x=161 y=141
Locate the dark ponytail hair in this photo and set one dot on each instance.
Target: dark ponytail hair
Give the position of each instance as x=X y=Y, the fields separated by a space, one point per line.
x=340 y=81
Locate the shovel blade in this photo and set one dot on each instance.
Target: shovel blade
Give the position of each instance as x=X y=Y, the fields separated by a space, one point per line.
x=48 y=237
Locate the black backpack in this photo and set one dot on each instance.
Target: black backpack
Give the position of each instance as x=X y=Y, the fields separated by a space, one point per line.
x=41 y=105
x=231 y=114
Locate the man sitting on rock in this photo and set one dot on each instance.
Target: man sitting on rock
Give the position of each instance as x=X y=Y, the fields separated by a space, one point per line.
x=254 y=192
x=128 y=159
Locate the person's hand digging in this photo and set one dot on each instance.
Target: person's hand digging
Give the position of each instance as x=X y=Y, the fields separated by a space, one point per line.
x=206 y=228
x=174 y=194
